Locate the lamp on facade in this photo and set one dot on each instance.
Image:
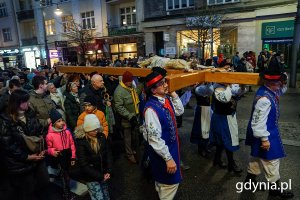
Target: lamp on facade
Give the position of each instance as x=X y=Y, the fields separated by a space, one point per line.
x=58 y=11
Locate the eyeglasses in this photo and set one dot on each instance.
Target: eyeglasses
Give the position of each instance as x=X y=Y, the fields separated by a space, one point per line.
x=161 y=83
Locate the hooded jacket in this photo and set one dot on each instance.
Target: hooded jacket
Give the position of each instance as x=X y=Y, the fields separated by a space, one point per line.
x=58 y=141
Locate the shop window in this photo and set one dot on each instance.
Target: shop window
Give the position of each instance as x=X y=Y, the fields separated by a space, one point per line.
x=214 y=2
x=6 y=34
x=114 y=48
x=88 y=20
x=68 y=23
x=179 y=4
x=3 y=11
x=128 y=16
x=50 y=27
x=130 y=47
x=46 y=2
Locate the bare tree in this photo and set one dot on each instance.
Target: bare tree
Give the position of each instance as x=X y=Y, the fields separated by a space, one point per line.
x=81 y=37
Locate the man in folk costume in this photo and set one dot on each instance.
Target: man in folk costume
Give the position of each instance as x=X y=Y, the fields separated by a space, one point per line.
x=162 y=135
x=263 y=132
x=202 y=118
x=127 y=105
x=224 y=127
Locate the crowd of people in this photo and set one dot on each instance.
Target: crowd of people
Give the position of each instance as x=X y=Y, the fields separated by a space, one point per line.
x=69 y=121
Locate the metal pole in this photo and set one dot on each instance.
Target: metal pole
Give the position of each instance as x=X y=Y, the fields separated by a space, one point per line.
x=45 y=39
x=212 y=43
x=295 y=49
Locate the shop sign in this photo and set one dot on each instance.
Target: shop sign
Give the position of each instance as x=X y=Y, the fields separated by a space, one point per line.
x=207 y=21
x=61 y=44
x=171 y=50
x=166 y=37
x=282 y=29
x=55 y=54
x=9 y=51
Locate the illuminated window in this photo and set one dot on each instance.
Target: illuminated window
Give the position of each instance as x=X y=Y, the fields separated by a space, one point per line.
x=179 y=4
x=128 y=16
x=88 y=20
x=68 y=23
x=50 y=27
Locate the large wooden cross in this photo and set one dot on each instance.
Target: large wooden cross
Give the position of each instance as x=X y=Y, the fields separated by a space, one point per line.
x=176 y=79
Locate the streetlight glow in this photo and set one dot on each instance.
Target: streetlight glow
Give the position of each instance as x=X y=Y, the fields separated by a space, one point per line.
x=58 y=11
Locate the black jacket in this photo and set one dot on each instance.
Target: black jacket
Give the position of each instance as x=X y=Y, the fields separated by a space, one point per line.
x=72 y=110
x=97 y=94
x=93 y=166
x=13 y=149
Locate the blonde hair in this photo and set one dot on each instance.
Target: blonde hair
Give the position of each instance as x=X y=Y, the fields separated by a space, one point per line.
x=93 y=142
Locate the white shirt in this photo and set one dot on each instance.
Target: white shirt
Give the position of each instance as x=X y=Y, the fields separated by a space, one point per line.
x=260 y=116
x=152 y=128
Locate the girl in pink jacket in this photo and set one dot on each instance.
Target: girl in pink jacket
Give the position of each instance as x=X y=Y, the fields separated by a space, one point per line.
x=61 y=149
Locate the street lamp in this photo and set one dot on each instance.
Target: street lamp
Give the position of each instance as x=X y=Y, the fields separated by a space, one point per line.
x=57 y=12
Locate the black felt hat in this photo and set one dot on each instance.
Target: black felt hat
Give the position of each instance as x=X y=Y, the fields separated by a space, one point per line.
x=160 y=70
x=274 y=71
x=151 y=79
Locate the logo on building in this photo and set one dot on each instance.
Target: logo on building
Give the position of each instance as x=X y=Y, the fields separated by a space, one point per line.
x=270 y=30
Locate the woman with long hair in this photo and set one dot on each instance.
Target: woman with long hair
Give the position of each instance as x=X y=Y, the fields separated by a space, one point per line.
x=94 y=157
x=26 y=171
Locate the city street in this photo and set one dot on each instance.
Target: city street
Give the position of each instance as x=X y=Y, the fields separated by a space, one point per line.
x=203 y=181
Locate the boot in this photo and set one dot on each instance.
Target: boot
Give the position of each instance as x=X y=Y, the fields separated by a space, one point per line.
x=282 y=194
x=217 y=160
x=232 y=166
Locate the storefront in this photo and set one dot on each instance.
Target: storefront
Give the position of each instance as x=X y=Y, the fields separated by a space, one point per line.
x=278 y=37
x=130 y=46
x=31 y=56
x=9 y=58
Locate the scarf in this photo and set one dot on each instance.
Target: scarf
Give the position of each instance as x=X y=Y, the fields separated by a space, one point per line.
x=133 y=95
x=76 y=96
x=21 y=116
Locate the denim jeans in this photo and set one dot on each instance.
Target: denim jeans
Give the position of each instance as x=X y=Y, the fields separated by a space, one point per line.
x=98 y=190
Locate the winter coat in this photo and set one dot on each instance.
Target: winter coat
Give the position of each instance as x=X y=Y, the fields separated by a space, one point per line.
x=4 y=100
x=41 y=105
x=58 y=141
x=124 y=105
x=93 y=165
x=13 y=149
x=100 y=115
x=72 y=110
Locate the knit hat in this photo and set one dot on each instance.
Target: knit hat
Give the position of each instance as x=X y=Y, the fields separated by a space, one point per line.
x=54 y=116
x=90 y=100
x=127 y=77
x=151 y=79
x=91 y=122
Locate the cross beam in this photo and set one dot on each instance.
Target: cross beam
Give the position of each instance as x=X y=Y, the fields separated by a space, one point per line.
x=176 y=79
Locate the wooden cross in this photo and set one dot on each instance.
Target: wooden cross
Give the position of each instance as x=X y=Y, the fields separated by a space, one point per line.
x=176 y=79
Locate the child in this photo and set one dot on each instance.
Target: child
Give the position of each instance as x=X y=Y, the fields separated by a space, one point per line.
x=90 y=108
x=94 y=157
x=61 y=148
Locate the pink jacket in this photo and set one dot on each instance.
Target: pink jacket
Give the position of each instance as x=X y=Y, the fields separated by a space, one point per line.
x=59 y=141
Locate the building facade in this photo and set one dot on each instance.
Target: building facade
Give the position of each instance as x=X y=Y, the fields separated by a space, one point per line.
x=9 y=38
x=177 y=26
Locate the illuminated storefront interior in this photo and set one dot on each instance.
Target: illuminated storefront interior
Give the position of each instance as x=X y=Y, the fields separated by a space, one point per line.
x=128 y=50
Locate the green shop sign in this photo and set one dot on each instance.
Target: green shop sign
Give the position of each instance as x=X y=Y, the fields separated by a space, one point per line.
x=283 y=29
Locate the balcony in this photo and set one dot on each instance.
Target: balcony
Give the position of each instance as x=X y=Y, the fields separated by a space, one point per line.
x=121 y=30
x=25 y=14
x=29 y=41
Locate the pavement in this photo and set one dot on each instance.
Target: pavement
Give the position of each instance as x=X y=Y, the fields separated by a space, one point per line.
x=203 y=181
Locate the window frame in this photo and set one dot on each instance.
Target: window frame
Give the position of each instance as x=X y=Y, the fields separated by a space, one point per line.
x=90 y=19
x=222 y=3
x=50 y=25
x=67 y=23
x=188 y=2
x=3 y=9
x=131 y=13
x=7 y=36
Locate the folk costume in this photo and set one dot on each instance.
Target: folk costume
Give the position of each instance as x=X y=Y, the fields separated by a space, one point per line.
x=202 y=118
x=162 y=136
x=263 y=128
x=224 y=127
